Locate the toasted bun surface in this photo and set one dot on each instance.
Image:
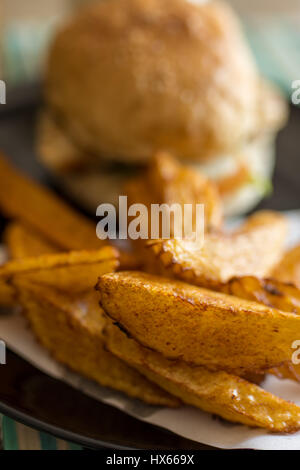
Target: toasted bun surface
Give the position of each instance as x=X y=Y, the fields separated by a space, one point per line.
x=128 y=77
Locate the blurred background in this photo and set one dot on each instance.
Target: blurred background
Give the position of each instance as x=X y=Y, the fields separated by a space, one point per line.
x=272 y=27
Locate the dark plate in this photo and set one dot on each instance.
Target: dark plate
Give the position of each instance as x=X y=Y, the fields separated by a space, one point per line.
x=39 y=401
x=34 y=398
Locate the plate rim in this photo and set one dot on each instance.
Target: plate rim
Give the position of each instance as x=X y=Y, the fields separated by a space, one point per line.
x=58 y=432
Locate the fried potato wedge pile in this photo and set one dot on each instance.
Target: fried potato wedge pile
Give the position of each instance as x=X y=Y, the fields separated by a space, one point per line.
x=203 y=342
x=51 y=224
x=197 y=325
x=219 y=393
x=58 y=299
x=254 y=249
x=81 y=267
x=71 y=328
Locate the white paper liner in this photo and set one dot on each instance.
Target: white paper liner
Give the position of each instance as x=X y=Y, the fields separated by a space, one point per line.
x=187 y=422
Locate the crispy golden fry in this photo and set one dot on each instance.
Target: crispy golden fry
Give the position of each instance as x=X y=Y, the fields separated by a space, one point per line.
x=71 y=328
x=202 y=327
x=270 y=292
x=168 y=182
x=172 y=183
x=40 y=208
x=219 y=393
x=80 y=268
x=254 y=249
x=23 y=241
x=288 y=270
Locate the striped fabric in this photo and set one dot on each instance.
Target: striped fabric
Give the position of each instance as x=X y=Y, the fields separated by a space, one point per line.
x=16 y=436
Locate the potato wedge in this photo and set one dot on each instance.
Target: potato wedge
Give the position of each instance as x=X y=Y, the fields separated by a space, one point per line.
x=78 y=269
x=288 y=269
x=199 y=326
x=254 y=249
x=39 y=207
x=71 y=328
x=172 y=183
x=219 y=393
x=23 y=241
x=168 y=182
x=270 y=292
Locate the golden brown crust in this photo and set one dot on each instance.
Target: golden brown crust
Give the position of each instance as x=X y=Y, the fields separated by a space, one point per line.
x=220 y=393
x=82 y=267
x=168 y=182
x=71 y=328
x=254 y=248
x=273 y=293
x=198 y=325
x=127 y=78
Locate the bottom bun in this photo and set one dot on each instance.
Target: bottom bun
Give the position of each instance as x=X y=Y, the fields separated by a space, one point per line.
x=244 y=179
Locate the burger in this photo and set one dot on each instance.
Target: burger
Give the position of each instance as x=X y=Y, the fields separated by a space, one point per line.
x=127 y=78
